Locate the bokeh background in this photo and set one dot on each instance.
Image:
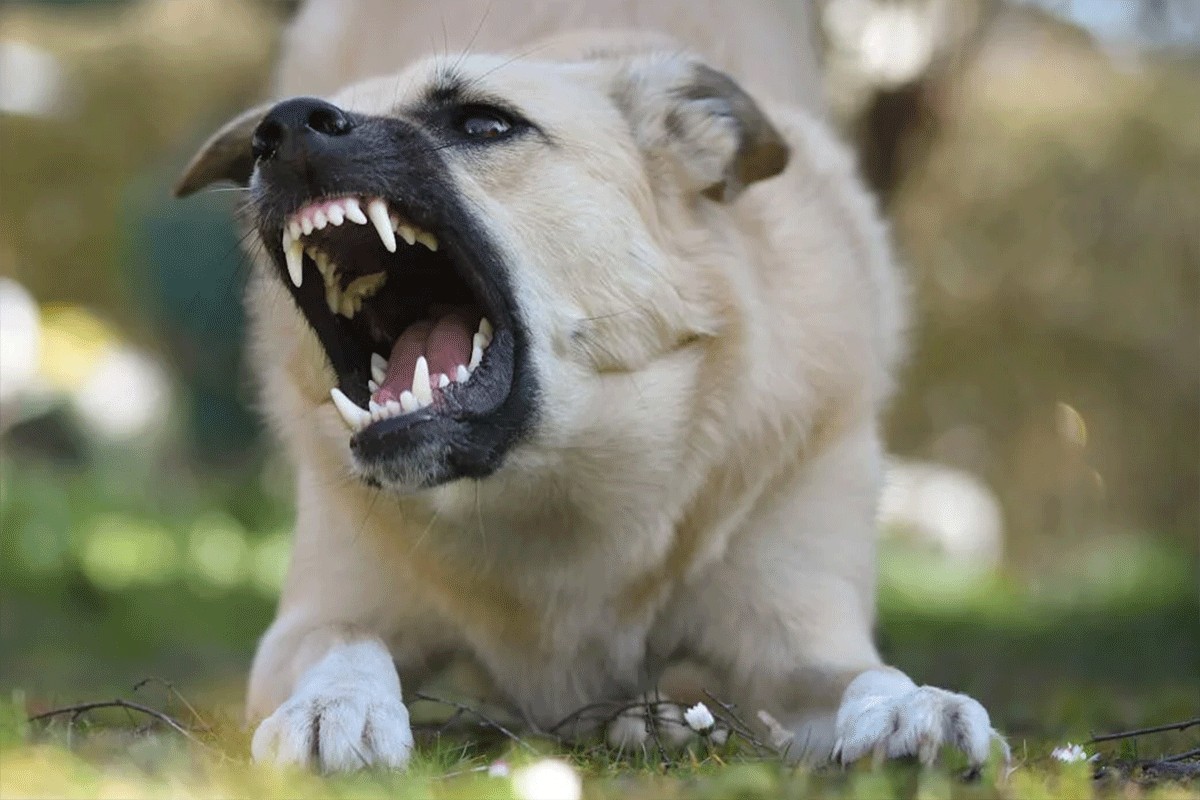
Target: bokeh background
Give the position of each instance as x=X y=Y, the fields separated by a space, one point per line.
x=1039 y=161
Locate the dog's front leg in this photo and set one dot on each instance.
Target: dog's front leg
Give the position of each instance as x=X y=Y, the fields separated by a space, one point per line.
x=344 y=709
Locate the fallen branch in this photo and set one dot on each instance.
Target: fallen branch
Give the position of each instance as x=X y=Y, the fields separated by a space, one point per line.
x=1178 y=726
x=485 y=719
x=82 y=708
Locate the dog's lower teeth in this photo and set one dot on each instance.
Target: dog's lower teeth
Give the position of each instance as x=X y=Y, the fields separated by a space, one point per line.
x=461 y=374
x=476 y=357
x=408 y=403
x=356 y=418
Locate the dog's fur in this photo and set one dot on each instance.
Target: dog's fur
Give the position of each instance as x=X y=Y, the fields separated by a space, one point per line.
x=702 y=474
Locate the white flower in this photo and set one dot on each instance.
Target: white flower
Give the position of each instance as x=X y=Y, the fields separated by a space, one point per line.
x=699 y=718
x=498 y=769
x=548 y=779
x=1071 y=753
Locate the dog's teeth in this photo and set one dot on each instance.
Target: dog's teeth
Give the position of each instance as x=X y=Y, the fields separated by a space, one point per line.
x=476 y=357
x=408 y=402
x=293 y=254
x=408 y=233
x=393 y=408
x=355 y=418
x=335 y=213
x=443 y=381
x=485 y=328
x=378 y=212
x=319 y=220
x=367 y=285
x=376 y=410
x=294 y=229
x=349 y=306
x=379 y=366
x=420 y=385
x=324 y=265
x=461 y=375
x=480 y=341
x=333 y=297
x=354 y=211
x=372 y=386
x=306 y=225
x=429 y=240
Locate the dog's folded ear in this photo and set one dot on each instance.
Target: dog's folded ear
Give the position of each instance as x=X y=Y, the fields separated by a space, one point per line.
x=718 y=136
x=226 y=156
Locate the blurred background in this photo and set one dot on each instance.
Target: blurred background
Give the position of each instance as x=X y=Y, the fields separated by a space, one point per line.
x=1039 y=161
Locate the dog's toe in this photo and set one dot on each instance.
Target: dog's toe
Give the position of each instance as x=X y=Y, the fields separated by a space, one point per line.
x=336 y=733
x=916 y=723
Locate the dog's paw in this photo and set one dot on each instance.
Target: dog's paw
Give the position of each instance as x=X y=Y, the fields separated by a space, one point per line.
x=886 y=715
x=654 y=720
x=346 y=714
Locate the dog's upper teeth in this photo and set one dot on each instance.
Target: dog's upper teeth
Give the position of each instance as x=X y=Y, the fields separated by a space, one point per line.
x=356 y=418
x=335 y=213
x=319 y=220
x=293 y=253
x=429 y=240
x=294 y=229
x=407 y=232
x=378 y=212
x=379 y=367
x=421 y=387
x=306 y=225
x=354 y=211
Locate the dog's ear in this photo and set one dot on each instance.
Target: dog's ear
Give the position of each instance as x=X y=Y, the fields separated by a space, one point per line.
x=226 y=156
x=719 y=137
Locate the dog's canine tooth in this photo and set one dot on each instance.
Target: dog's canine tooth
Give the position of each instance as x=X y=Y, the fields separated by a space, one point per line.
x=420 y=385
x=408 y=403
x=379 y=366
x=476 y=357
x=378 y=212
x=443 y=380
x=319 y=219
x=354 y=211
x=335 y=213
x=461 y=375
x=293 y=254
x=429 y=240
x=355 y=418
x=485 y=328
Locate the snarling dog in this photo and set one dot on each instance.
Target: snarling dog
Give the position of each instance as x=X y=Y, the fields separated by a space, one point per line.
x=579 y=360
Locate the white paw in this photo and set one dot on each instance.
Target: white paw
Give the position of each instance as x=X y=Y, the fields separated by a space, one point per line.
x=636 y=727
x=884 y=714
x=346 y=714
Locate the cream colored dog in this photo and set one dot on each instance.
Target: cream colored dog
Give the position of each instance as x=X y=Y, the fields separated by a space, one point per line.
x=579 y=357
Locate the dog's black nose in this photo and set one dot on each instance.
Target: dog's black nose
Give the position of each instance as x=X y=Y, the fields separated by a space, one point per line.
x=301 y=121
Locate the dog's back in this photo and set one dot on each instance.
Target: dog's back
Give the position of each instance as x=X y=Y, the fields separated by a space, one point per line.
x=764 y=43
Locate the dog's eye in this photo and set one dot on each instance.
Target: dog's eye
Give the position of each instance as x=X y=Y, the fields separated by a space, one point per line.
x=485 y=124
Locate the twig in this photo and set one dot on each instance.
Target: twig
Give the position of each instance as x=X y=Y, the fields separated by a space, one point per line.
x=1178 y=726
x=739 y=726
x=1181 y=756
x=485 y=719
x=83 y=708
x=171 y=690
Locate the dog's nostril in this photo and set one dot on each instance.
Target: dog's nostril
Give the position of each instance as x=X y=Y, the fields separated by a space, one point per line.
x=329 y=120
x=266 y=139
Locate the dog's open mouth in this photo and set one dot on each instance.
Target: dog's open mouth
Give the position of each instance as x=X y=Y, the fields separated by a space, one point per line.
x=413 y=327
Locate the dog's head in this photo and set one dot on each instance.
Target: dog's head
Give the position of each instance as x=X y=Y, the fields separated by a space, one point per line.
x=478 y=245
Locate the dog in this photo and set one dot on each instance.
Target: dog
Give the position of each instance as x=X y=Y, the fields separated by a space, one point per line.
x=579 y=356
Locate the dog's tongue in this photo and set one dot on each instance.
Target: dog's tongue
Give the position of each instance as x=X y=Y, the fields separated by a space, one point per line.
x=444 y=341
